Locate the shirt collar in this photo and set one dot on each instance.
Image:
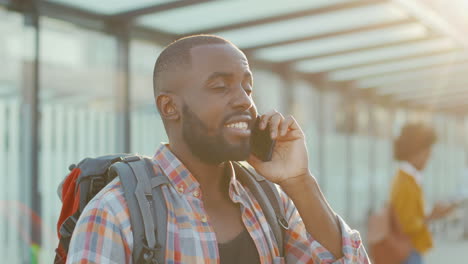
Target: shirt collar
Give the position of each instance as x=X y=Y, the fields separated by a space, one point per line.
x=412 y=171
x=179 y=176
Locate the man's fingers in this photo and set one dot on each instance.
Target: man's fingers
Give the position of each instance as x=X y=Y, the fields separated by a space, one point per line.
x=285 y=125
x=278 y=125
x=275 y=122
x=265 y=118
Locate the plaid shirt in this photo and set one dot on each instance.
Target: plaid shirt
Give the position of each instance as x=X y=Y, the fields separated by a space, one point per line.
x=103 y=233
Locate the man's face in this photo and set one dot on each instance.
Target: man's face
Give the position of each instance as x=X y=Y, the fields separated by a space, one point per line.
x=218 y=111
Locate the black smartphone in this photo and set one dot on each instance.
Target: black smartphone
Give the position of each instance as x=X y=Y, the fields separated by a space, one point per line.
x=261 y=143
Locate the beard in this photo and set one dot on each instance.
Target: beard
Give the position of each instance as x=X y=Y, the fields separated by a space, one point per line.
x=209 y=148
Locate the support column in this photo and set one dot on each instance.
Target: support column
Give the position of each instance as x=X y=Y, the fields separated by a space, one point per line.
x=373 y=137
x=28 y=165
x=122 y=34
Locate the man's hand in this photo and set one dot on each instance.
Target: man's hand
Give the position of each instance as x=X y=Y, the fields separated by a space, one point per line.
x=289 y=169
x=289 y=158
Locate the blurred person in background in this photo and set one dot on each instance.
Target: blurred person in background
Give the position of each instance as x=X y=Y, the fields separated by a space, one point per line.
x=412 y=149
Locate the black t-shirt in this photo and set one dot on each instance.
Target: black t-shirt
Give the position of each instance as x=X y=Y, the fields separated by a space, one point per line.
x=240 y=250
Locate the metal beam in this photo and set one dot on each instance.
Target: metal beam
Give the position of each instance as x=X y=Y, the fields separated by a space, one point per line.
x=366 y=48
x=448 y=100
x=413 y=76
x=336 y=33
x=145 y=33
x=456 y=109
x=100 y=23
x=83 y=18
x=283 y=17
x=425 y=86
x=397 y=59
x=132 y=14
x=413 y=69
x=433 y=96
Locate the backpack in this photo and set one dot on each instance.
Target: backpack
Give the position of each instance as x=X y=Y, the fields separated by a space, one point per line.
x=141 y=182
x=387 y=242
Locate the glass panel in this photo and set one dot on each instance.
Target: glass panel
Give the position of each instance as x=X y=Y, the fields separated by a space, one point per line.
x=335 y=44
x=335 y=158
x=313 y=25
x=147 y=129
x=374 y=55
x=360 y=149
x=267 y=91
x=78 y=118
x=16 y=56
x=434 y=60
x=222 y=13
x=304 y=111
x=385 y=168
x=109 y=7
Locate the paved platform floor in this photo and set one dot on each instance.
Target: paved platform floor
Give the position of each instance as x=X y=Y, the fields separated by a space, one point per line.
x=448 y=251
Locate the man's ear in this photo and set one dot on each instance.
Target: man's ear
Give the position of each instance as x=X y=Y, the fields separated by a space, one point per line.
x=168 y=106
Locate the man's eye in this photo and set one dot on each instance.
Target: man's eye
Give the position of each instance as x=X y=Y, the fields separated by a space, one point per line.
x=220 y=88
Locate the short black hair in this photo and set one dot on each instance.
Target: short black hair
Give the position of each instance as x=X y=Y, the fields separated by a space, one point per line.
x=413 y=138
x=176 y=56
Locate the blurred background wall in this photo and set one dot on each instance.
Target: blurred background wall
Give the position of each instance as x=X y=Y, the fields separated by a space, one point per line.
x=76 y=81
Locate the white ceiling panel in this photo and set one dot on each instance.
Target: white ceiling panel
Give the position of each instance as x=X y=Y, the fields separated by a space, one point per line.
x=374 y=55
x=340 y=43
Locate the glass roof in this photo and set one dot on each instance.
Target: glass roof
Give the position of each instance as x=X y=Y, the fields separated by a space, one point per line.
x=439 y=72
x=340 y=43
x=434 y=60
x=110 y=7
x=447 y=100
x=434 y=90
x=421 y=85
x=313 y=25
x=221 y=13
x=375 y=55
x=378 y=44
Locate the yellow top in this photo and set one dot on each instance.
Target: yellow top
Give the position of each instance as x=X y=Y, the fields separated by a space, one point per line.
x=408 y=203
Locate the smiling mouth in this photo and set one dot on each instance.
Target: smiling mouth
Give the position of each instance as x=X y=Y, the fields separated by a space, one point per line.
x=238 y=125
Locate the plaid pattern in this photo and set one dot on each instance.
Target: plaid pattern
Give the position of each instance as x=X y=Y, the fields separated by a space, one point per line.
x=103 y=233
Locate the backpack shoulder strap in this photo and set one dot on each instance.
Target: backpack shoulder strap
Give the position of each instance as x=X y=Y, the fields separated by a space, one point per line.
x=269 y=199
x=147 y=207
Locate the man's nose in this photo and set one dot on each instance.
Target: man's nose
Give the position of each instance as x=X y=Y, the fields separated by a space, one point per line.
x=242 y=99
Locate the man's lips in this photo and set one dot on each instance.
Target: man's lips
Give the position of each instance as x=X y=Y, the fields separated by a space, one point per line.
x=240 y=125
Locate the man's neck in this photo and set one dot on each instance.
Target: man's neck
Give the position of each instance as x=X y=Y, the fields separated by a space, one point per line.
x=210 y=176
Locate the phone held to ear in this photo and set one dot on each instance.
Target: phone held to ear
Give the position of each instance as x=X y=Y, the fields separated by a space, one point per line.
x=261 y=143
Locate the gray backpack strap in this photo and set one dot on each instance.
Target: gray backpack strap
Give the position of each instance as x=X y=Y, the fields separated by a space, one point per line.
x=147 y=207
x=269 y=199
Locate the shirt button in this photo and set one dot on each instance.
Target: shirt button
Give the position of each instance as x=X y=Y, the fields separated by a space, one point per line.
x=204 y=219
x=196 y=193
x=180 y=189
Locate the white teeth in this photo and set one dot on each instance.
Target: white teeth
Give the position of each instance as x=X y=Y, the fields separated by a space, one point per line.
x=238 y=125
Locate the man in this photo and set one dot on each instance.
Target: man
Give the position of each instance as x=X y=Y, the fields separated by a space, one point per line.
x=203 y=91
